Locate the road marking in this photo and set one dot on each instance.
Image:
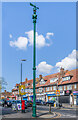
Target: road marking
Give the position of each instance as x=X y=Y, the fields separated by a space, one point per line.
x=67 y=109
x=58 y=115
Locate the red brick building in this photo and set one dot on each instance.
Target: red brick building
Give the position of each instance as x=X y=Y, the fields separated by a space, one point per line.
x=65 y=81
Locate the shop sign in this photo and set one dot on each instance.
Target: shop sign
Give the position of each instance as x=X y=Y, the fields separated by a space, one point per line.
x=40 y=94
x=51 y=98
x=61 y=92
x=50 y=93
x=24 y=95
x=68 y=92
x=75 y=93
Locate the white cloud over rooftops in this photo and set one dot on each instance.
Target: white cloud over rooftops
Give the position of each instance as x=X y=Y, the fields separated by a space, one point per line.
x=69 y=62
x=43 y=67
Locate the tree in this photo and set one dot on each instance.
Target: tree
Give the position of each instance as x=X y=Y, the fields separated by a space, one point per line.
x=3 y=84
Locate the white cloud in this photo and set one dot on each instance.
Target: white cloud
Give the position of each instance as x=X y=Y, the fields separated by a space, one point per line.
x=40 y=39
x=21 y=43
x=69 y=62
x=10 y=35
x=49 y=34
x=45 y=68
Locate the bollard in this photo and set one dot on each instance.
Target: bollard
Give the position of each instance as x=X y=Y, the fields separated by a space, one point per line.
x=55 y=104
x=49 y=108
x=23 y=106
x=71 y=105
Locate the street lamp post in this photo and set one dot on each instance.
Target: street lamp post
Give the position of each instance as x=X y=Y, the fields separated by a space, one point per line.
x=21 y=69
x=57 y=89
x=34 y=17
x=21 y=73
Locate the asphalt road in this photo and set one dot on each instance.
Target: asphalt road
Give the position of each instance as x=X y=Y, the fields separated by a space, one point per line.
x=61 y=113
x=64 y=112
x=6 y=110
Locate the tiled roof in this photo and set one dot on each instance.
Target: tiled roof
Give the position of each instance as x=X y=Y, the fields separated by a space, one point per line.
x=72 y=73
x=74 y=77
x=17 y=84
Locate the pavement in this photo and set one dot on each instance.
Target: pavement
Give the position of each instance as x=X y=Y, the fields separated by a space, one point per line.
x=69 y=106
x=28 y=114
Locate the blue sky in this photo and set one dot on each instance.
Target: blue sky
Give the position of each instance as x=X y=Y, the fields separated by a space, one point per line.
x=56 y=39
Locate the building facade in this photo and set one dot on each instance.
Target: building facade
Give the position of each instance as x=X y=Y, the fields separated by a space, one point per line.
x=46 y=87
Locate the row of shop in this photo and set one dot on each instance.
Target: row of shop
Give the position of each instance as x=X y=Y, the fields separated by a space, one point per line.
x=64 y=97
x=69 y=96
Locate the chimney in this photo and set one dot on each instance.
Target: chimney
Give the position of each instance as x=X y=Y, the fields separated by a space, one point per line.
x=40 y=77
x=5 y=91
x=26 y=80
x=62 y=71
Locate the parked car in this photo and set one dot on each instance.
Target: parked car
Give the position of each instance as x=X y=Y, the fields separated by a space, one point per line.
x=1 y=102
x=50 y=102
x=59 y=105
x=43 y=102
x=9 y=103
x=40 y=102
x=29 y=103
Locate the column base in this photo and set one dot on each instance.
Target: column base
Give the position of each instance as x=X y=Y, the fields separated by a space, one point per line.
x=34 y=111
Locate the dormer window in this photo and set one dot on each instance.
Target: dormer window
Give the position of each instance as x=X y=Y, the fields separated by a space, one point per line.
x=53 y=80
x=28 y=83
x=42 y=81
x=66 y=78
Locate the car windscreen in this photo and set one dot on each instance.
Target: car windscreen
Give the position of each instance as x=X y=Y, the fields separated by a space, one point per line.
x=18 y=101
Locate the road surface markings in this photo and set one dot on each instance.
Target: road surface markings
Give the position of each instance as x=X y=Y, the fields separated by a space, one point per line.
x=58 y=115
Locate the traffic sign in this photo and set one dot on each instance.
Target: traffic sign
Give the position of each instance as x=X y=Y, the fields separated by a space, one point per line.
x=22 y=90
x=57 y=92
